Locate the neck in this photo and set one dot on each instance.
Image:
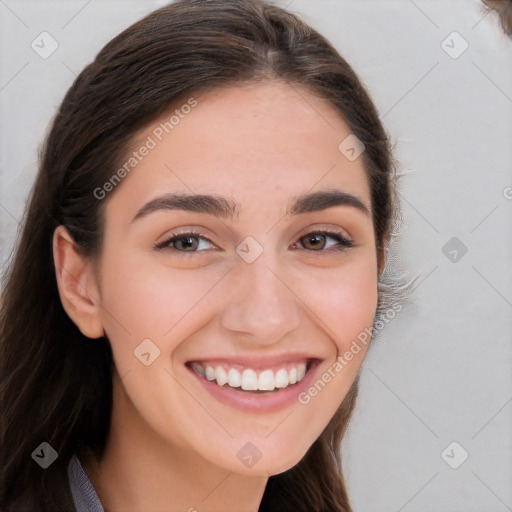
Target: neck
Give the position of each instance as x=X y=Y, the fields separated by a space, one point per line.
x=139 y=471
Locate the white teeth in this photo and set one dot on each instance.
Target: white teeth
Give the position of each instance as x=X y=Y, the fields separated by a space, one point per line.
x=234 y=378
x=220 y=376
x=249 y=380
x=266 y=381
x=281 y=378
x=301 y=371
x=210 y=373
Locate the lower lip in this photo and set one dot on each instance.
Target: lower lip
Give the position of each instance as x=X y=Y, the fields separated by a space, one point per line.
x=256 y=402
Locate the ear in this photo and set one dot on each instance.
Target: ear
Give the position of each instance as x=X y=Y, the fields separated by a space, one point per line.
x=77 y=284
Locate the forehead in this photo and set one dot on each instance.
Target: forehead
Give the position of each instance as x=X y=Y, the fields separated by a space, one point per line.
x=259 y=143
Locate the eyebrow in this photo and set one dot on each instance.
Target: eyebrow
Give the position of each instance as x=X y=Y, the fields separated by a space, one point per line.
x=228 y=208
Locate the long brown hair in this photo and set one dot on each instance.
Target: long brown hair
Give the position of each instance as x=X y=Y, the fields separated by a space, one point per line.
x=55 y=384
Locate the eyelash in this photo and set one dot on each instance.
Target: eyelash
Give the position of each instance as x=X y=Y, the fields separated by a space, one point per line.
x=344 y=243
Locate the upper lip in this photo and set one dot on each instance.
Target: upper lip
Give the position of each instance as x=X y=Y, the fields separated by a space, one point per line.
x=256 y=362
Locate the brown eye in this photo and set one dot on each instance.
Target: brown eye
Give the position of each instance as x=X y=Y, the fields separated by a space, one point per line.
x=314 y=242
x=319 y=241
x=185 y=243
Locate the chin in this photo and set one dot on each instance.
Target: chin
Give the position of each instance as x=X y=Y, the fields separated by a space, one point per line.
x=262 y=457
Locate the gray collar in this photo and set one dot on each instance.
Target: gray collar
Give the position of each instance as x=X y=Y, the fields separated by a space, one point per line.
x=84 y=495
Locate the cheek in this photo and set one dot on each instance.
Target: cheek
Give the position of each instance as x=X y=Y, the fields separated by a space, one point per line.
x=345 y=299
x=142 y=299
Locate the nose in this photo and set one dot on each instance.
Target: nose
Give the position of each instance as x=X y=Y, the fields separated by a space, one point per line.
x=262 y=306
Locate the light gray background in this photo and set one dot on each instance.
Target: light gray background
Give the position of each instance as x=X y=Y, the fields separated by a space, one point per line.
x=441 y=372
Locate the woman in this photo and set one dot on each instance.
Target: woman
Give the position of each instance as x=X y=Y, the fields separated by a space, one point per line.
x=198 y=274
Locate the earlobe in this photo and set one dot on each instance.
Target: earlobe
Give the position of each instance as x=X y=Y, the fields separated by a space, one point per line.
x=77 y=285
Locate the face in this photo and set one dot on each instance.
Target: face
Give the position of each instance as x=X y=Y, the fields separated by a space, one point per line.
x=231 y=314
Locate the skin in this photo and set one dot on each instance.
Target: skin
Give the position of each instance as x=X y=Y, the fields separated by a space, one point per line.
x=171 y=442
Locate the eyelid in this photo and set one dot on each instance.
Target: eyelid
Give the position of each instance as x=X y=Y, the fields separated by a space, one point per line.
x=339 y=231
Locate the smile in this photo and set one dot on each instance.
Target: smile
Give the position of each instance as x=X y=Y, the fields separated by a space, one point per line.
x=249 y=379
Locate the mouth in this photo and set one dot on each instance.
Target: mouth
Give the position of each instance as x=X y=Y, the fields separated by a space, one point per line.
x=245 y=379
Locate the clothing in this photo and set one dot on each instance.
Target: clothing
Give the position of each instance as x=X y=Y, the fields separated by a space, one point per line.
x=85 y=497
